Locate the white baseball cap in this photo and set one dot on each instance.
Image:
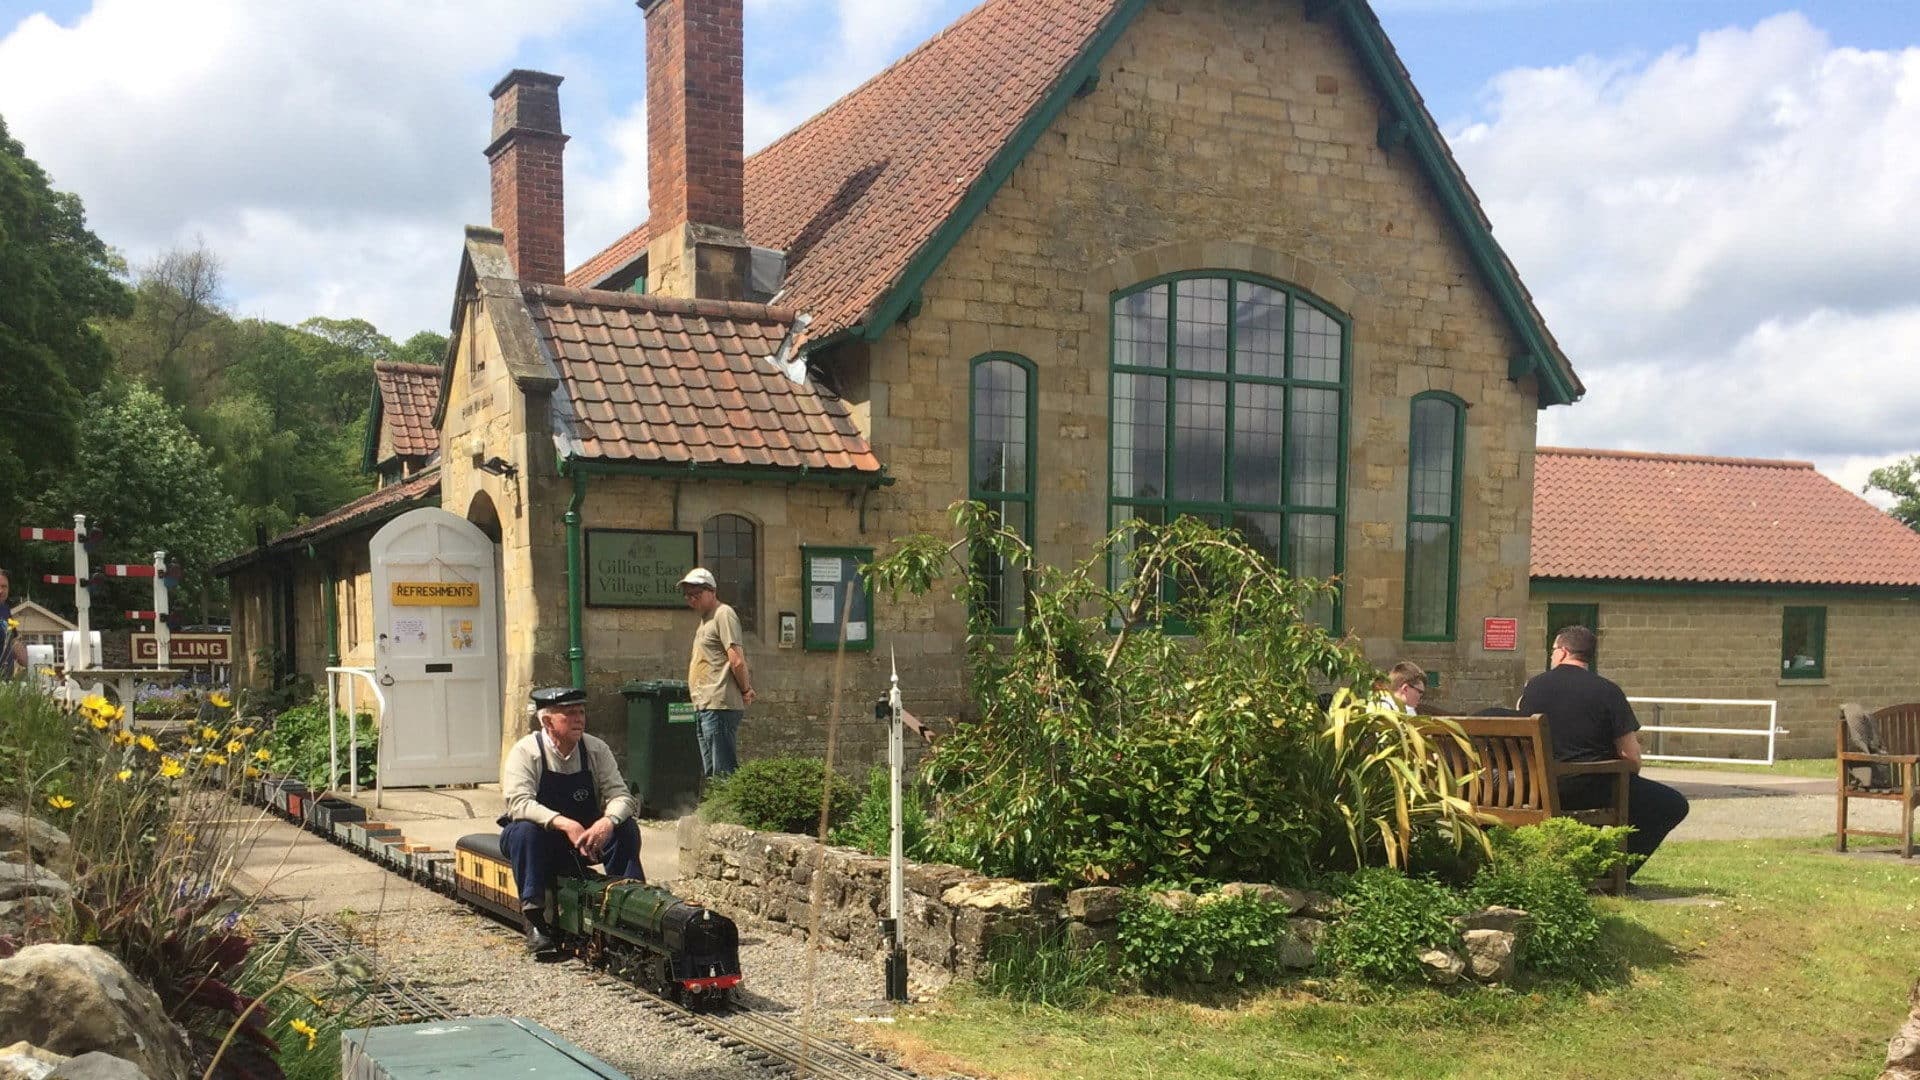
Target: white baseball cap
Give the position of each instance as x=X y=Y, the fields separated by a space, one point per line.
x=701 y=576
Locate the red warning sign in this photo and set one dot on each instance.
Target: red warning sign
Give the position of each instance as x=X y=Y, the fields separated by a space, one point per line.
x=1500 y=635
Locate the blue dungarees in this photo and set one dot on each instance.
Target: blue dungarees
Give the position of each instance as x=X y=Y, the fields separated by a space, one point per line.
x=538 y=854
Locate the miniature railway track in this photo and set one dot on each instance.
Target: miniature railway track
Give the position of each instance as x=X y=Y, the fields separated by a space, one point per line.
x=759 y=1037
x=389 y=1001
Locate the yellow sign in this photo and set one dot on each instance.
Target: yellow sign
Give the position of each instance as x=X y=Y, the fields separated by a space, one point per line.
x=435 y=593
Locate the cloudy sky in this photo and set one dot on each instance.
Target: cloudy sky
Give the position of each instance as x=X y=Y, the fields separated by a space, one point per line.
x=1713 y=200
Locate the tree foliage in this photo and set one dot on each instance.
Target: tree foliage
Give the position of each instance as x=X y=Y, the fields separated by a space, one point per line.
x=1902 y=481
x=55 y=278
x=1111 y=749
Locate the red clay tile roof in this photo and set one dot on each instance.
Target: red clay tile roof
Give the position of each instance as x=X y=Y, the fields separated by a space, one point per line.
x=422 y=489
x=853 y=193
x=660 y=380
x=1609 y=514
x=408 y=395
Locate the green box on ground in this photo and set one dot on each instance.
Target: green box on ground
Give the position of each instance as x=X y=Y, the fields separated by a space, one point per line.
x=663 y=746
x=472 y=1046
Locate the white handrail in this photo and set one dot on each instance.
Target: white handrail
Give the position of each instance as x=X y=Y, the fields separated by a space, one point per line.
x=353 y=720
x=1772 y=731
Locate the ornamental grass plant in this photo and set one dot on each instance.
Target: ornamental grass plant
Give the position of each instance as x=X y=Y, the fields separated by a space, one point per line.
x=1169 y=712
x=158 y=828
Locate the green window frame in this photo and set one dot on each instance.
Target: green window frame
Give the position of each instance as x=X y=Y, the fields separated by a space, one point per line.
x=730 y=547
x=1436 y=437
x=845 y=562
x=1002 y=416
x=1803 y=643
x=1561 y=616
x=1228 y=400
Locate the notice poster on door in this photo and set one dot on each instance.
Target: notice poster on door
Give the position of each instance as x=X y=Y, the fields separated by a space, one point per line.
x=409 y=628
x=459 y=635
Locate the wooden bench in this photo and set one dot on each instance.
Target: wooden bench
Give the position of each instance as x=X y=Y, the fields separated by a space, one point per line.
x=1898 y=729
x=1514 y=780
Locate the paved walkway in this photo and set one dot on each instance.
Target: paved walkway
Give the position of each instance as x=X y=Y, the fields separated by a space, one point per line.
x=1740 y=806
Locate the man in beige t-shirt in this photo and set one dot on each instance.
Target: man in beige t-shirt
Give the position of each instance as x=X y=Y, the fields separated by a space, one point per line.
x=717 y=677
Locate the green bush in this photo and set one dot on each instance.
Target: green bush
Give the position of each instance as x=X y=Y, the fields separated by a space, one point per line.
x=779 y=794
x=1215 y=939
x=299 y=741
x=1545 y=870
x=1391 y=918
x=1586 y=852
x=869 y=826
x=1047 y=972
x=1169 y=728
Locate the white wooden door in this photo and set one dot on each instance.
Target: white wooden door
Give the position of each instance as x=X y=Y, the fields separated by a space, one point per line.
x=437 y=654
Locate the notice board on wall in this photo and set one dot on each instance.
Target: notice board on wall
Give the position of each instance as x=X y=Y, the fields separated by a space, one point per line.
x=638 y=568
x=830 y=584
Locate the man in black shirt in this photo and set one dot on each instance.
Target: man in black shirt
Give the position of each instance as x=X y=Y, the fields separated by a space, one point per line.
x=1590 y=720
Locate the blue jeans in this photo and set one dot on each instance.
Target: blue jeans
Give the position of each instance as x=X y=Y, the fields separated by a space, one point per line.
x=539 y=855
x=719 y=741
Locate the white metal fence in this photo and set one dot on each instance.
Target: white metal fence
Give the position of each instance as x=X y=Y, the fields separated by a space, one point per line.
x=351 y=677
x=1660 y=729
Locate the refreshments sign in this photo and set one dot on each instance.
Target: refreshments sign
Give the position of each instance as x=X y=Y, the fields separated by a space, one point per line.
x=435 y=593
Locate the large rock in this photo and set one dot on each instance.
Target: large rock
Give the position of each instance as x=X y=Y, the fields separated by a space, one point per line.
x=1097 y=904
x=48 y=845
x=1903 y=1051
x=18 y=880
x=25 y=1061
x=1318 y=905
x=1506 y=919
x=1003 y=894
x=1300 y=946
x=1292 y=899
x=97 y=1066
x=72 y=999
x=1442 y=966
x=1490 y=955
x=30 y=913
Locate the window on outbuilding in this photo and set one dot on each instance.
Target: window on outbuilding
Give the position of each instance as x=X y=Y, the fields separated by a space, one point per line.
x=727 y=544
x=1803 y=643
x=1000 y=470
x=1229 y=404
x=1561 y=616
x=1435 y=432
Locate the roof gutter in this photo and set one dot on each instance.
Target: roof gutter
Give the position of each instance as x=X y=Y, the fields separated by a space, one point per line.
x=696 y=471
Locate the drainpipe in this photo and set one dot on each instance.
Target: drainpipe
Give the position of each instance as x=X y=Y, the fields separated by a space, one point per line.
x=333 y=612
x=576 y=649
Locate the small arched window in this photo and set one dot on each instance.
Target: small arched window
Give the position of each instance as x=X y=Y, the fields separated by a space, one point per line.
x=1435 y=436
x=1000 y=469
x=729 y=547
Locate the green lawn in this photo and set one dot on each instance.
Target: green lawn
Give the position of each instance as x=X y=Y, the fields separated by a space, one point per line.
x=1814 y=768
x=1800 y=970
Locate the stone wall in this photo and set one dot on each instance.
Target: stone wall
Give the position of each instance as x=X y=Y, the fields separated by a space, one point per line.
x=1707 y=645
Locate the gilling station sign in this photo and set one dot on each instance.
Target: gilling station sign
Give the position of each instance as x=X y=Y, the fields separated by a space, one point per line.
x=184 y=649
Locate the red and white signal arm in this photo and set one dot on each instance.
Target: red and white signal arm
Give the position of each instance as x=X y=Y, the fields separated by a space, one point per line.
x=190 y=649
x=1500 y=635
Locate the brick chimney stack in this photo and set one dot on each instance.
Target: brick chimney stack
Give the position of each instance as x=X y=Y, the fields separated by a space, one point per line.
x=528 y=197
x=695 y=153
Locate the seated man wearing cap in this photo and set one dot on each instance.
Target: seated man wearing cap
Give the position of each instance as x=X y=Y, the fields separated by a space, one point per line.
x=567 y=806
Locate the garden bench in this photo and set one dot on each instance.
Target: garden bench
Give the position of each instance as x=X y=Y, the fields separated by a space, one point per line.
x=1898 y=729
x=1514 y=780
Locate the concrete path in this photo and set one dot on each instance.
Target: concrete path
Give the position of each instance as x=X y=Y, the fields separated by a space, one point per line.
x=1741 y=806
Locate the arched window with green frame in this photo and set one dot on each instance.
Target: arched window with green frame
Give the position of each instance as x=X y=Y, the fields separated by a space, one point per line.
x=1436 y=436
x=1229 y=403
x=1000 y=470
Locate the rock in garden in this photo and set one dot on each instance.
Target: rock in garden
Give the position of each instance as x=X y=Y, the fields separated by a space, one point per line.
x=1001 y=894
x=1096 y=904
x=1300 y=945
x=1507 y=919
x=1490 y=955
x=73 y=999
x=18 y=880
x=28 y=912
x=1292 y=899
x=1173 y=899
x=50 y=846
x=1442 y=967
x=1319 y=905
x=25 y=1061
x=97 y=1066
x=1903 y=1052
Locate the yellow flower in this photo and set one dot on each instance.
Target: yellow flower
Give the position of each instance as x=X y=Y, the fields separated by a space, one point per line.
x=209 y=734
x=59 y=802
x=245 y=732
x=301 y=1027
x=263 y=754
x=13 y=624
x=253 y=773
x=146 y=743
x=123 y=775
x=217 y=759
x=170 y=768
x=99 y=722
x=123 y=738
x=220 y=700
x=236 y=746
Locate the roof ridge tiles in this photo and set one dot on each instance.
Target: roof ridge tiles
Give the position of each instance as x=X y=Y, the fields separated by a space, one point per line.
x=659 y=304
x=1649 y=455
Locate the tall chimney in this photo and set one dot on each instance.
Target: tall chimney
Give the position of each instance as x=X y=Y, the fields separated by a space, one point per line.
x=695 y=77
x=528 y=196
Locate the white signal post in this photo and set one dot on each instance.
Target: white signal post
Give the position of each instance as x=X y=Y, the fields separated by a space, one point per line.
x=162 y=633
x=896 y=857
x=82 y=602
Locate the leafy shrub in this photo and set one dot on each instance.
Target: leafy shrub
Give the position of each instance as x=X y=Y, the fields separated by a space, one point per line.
x=1047 y=972
x=1585 y=852
x=780 y=794
x=1215 y=939
x=1391 y=918
x=300 y=746
x=869 y=826
x=1169 y=729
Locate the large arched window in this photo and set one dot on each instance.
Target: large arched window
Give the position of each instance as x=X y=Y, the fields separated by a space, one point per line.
x=1000 y=468
x=727 y=548
x=1229 y=404
x=1435 y=433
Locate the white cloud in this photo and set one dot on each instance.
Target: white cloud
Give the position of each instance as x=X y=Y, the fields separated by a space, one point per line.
x=1721 y=238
